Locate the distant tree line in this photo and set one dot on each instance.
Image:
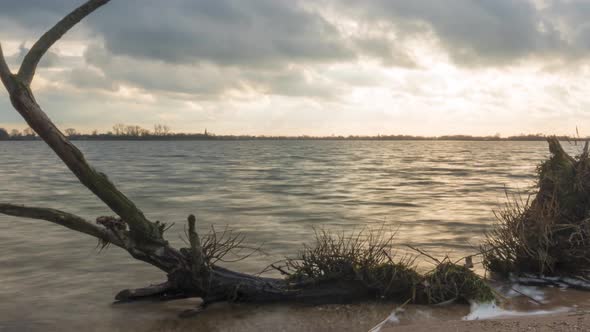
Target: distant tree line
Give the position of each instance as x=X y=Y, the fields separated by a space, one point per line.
x=120 y=131
x=15 y=134
x=163 y=132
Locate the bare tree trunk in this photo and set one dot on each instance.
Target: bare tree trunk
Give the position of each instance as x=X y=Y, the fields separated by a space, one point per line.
x=188 y=273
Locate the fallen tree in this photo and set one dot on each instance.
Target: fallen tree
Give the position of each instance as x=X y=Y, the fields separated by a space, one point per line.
x=337 y=269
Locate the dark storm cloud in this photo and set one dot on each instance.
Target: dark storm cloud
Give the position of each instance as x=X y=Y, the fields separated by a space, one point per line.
x=274 y=32
x=573 y=15
x=207 y=47
x=200 y=48
x=226 y=32
x=267 y=33
x=36 y=13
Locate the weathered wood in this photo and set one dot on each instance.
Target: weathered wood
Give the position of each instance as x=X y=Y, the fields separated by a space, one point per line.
x=224 y=284
x=164 y=257
x=188 y=272
x=65 y=219
x=24 y=102
x=157 y=291
x=557 y=150
x=140 y=228
x=195 y=242
x=199 y=268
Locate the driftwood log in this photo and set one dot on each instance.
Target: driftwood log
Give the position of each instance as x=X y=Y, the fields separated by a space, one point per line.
x=188 y=273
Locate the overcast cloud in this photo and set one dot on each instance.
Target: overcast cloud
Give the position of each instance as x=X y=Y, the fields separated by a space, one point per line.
x=311 y=67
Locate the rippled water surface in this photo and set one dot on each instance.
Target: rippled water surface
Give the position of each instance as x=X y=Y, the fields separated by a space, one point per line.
x=437 y=195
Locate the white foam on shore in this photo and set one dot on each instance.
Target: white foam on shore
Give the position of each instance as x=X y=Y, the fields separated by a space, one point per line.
x=490 y=310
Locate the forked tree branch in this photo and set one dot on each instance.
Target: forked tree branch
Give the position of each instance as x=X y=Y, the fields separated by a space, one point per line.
x=141 y=228
x=31 y=60
x=186 y=272
x=65 y=219
x=23 y=100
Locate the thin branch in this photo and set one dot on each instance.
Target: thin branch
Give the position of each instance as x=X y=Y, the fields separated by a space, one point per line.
x=5 y=74
x=65 y=219
x=424 y=253
x=31 y=60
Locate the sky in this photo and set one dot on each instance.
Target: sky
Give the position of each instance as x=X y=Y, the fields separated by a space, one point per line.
x=311 y=67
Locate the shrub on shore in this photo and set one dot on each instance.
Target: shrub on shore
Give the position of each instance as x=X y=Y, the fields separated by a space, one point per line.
x=550 y=233
x=367 y=258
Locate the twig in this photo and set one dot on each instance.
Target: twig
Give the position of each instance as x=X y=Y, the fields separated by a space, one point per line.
x=422 y=252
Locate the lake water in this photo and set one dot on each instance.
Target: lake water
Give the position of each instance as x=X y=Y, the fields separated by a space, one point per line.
x=438 y=196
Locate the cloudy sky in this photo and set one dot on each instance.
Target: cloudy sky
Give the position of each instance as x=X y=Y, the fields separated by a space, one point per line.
x=317 y=67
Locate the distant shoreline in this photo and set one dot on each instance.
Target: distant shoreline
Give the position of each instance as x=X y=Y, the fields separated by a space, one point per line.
x=292 y=139
x=123 y=132
x=201 y=137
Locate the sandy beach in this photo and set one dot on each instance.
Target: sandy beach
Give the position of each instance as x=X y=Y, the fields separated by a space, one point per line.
x=353 y=317
x=337 y=319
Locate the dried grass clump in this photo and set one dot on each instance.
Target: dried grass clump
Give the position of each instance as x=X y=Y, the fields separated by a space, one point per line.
x=366 y=257
x=550 y=234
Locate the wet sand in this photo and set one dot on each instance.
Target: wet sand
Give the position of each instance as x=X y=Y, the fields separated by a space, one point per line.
x=575 y=321
x=568 y=311
x=330 y=318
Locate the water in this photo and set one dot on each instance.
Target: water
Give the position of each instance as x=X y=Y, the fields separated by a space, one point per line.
x=436 y=195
